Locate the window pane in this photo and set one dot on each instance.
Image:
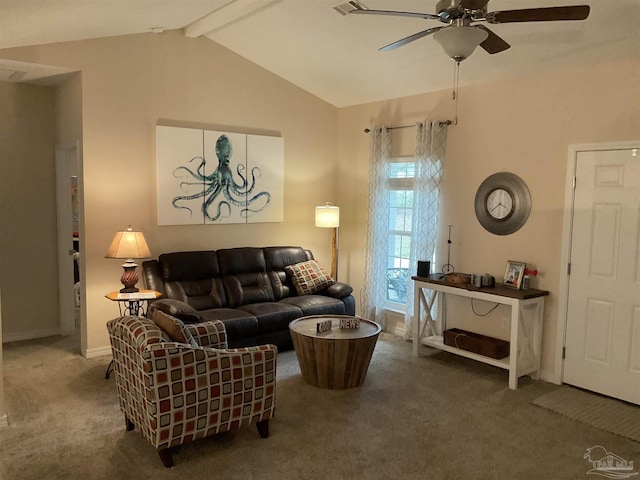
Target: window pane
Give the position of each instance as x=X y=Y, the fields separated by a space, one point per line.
x=401 y=176
x=402 y=170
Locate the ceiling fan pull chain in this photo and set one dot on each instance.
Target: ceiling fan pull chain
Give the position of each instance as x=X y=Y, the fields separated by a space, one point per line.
x=456 y=68
x=456 y=82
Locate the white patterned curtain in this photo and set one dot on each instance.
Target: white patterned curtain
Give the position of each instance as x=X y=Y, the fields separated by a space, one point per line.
x=430 y=155
x=374 y=292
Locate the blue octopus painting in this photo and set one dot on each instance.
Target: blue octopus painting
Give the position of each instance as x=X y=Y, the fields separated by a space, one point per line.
x=221 y=192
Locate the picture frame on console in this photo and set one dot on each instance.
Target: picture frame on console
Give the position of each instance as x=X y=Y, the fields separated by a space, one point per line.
x=514 y=274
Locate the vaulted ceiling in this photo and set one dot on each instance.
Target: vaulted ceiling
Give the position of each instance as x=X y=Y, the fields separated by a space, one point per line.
x=332 y=56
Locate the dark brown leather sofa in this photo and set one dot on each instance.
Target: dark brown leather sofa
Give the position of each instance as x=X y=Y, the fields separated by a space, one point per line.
x=247 y=288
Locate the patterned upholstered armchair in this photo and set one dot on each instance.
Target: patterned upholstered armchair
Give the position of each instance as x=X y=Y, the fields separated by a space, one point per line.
x=176 y=393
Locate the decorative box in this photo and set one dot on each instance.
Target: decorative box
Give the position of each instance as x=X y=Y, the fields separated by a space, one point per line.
x=476 y=343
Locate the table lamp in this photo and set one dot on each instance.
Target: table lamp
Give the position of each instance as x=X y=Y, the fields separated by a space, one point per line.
x=129 y=245
x=328 y=216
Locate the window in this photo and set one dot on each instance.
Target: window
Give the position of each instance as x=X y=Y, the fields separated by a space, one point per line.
x=402 y=228
x=401 y=185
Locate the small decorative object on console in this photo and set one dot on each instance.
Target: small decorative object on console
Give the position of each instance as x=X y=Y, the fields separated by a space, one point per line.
x=526 y=281
x=488 y=280
x=424 y=268
x=513 y=274
x=458 y=278
x=351 y=322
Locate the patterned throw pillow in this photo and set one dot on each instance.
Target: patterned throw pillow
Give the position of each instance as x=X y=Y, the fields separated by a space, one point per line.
x=308 y=277
x=174 y=328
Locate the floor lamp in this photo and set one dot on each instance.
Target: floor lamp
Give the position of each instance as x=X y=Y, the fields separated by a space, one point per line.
x=328 y=216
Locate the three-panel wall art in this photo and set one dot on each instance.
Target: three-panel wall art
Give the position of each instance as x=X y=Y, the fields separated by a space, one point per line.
x=209 y=177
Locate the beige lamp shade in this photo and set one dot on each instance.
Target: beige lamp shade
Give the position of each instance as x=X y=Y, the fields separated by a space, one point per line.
x=328 y=216
x=128 y=244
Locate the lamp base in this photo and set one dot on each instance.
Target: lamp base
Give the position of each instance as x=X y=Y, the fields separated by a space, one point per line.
x=129 y=290
x=129 y=278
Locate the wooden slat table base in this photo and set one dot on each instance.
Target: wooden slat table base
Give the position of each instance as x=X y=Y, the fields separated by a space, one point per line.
x=338 y=359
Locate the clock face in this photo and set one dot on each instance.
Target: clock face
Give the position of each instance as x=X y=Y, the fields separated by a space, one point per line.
x=499 y=204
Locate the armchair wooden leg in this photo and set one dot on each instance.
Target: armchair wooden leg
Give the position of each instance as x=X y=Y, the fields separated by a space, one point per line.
x=129 y=424
x=166 y=456
x=263 y=428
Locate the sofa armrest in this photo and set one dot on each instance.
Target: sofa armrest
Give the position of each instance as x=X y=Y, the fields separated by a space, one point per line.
x=175 y=308
x=209 y=334
x=337 y=290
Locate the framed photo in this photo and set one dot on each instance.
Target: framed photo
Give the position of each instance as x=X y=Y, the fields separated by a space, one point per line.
x=513 y=274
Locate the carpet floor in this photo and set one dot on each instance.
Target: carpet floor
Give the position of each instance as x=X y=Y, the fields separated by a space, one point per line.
x=438 y=416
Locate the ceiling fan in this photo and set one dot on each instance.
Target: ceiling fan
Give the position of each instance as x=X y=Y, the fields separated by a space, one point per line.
x=464 y=30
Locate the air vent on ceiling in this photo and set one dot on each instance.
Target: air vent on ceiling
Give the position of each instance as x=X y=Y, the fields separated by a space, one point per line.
x=347 y=7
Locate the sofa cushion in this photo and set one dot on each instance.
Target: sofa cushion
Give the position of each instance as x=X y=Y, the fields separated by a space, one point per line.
x=308 y=277
x=317 y=304
x=272 y=316
x=200 y=294
x=234 y=261
x=196 y=265
x=237 y=323
x=248 y=288
x=173 y=327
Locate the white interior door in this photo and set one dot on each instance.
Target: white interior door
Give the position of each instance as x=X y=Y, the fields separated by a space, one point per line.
x=66 y=175
x=603 y=322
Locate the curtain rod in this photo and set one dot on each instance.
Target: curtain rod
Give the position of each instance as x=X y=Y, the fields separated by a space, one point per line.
x=441 y=123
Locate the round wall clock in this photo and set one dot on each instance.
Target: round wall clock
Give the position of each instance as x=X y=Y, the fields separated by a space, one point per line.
x=503 y=203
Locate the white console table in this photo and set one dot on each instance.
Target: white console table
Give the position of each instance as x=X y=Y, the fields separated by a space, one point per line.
x=527 y=308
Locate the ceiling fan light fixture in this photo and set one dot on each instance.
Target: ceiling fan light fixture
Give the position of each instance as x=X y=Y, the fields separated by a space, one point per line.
x=460 y=42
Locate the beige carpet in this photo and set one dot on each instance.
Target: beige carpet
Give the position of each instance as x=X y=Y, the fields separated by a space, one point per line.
x=437 y=417
x=595 y=410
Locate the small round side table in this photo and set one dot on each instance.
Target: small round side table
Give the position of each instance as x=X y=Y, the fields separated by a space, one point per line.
x=135 y=303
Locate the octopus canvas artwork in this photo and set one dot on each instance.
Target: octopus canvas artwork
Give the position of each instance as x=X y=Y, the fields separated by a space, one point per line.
x=208 y=177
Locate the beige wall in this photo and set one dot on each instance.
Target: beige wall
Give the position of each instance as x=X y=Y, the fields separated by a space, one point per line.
x=28 y=242
x=68 y=102
x=524 y=126
x=129 y=84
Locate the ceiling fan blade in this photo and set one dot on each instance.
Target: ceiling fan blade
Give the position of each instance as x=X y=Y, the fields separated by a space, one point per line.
x=493 y=43
x=362 y=11
x=474 y=4
x=409 y=39
x=576 y=12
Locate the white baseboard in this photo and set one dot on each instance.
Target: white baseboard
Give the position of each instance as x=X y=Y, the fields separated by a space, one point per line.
x=97 y=352
x=20 y=336
x=396 y=330
x=549 y=377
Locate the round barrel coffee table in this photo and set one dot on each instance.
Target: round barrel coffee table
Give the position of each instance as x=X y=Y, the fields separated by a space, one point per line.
x=335 y=359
